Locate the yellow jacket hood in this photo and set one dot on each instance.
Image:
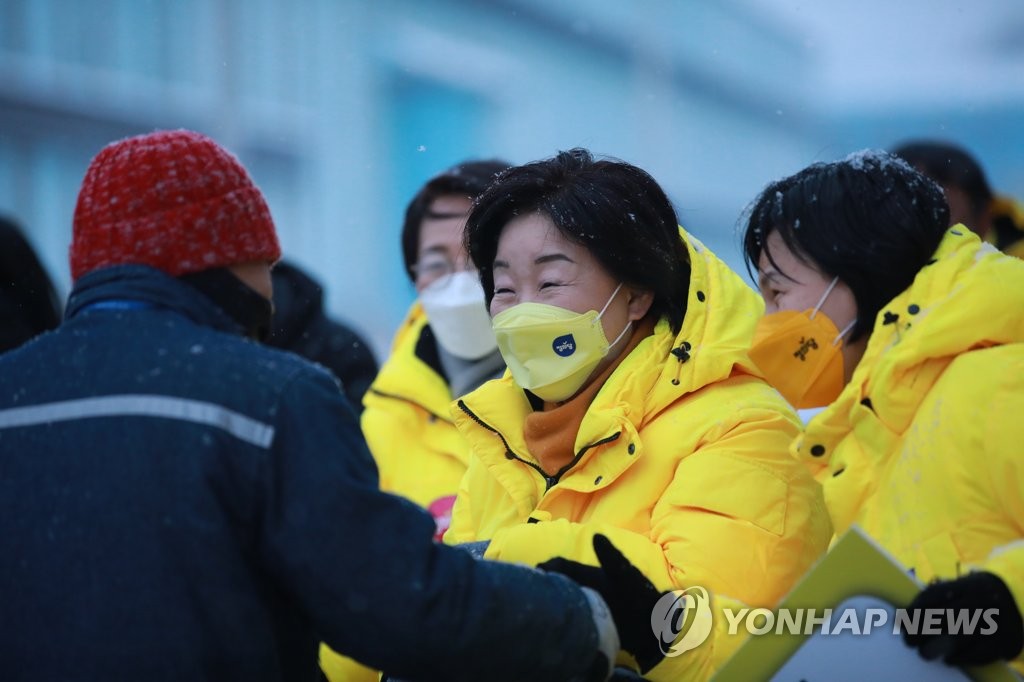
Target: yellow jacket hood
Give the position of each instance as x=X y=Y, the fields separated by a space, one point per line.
x=968 y=297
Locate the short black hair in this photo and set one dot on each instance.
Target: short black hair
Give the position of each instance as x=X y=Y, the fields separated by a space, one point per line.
x=468 y=179
x=614 y=209
x=950 y=166
x=871 y=220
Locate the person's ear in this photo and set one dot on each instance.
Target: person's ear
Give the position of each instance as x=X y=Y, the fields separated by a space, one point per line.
x=640 y=301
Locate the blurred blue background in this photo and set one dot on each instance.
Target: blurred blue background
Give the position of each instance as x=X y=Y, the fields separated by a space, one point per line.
x=341 y=109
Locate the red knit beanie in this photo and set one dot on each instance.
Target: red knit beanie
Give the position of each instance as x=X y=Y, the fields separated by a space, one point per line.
x=173 y=200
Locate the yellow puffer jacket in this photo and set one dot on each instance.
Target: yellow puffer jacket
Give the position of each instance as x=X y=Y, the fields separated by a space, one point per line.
x=923 y=448
x=407 y=423
x=684 y=464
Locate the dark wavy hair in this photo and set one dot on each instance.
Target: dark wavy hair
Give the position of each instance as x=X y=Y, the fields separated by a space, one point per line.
x=615 y=210
x=467 y=179
x=871 y=220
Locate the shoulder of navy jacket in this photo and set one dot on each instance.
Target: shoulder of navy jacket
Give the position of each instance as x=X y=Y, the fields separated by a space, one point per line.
x=148 y=285
x=115 y=282
x=118 y=304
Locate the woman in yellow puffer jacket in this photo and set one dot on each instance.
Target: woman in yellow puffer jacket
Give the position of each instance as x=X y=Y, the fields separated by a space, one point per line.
x=631 y=409
x=914 y=333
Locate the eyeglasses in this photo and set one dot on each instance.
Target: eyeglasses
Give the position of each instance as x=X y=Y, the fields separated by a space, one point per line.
x=434 y=267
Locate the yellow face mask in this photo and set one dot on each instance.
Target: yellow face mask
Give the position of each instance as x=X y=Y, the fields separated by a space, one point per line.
x=552 y=351
x=800 y=354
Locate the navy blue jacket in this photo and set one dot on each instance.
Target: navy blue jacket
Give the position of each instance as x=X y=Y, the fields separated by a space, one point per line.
x=179 y=503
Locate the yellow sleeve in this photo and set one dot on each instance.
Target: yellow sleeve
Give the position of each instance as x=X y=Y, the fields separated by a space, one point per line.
x=463 y=527
x=534 y=543
x=338 y=668
x=743 y=517
x=386 y=436
x=575 y=541
x=390 y=425
x=1003 y=435
x=701 y=662
x=417 y=457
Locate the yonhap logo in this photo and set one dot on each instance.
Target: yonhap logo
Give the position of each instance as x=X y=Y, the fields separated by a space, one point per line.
x=856 y=621
x=564 y=346
x=680 y=610
x=681 y=620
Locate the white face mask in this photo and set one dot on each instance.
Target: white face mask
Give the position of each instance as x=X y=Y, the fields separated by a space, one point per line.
x=458 y=315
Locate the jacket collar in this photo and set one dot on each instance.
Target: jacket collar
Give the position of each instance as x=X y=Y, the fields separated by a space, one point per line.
x=151 y=286
x=298 y=304
x=969 y=296
x=412 y=371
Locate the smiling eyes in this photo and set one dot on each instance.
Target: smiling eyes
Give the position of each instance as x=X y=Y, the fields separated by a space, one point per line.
x=498 y=291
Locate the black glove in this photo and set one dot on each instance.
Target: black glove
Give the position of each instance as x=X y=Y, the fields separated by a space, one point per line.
x=979 y=591
x=628 y=593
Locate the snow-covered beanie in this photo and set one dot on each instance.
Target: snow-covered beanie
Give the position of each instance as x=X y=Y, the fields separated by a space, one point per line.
x=174 y=200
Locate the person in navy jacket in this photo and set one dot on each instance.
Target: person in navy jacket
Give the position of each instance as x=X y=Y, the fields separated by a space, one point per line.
x=179 y=502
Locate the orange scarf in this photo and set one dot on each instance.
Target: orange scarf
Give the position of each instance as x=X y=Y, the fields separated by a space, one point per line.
x=551 y=434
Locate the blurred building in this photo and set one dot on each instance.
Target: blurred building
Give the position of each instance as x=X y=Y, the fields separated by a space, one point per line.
x=342 y=108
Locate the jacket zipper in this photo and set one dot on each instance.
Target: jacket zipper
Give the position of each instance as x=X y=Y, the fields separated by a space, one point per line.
x=561 y=472
x=549 y=481
x=392 y=396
